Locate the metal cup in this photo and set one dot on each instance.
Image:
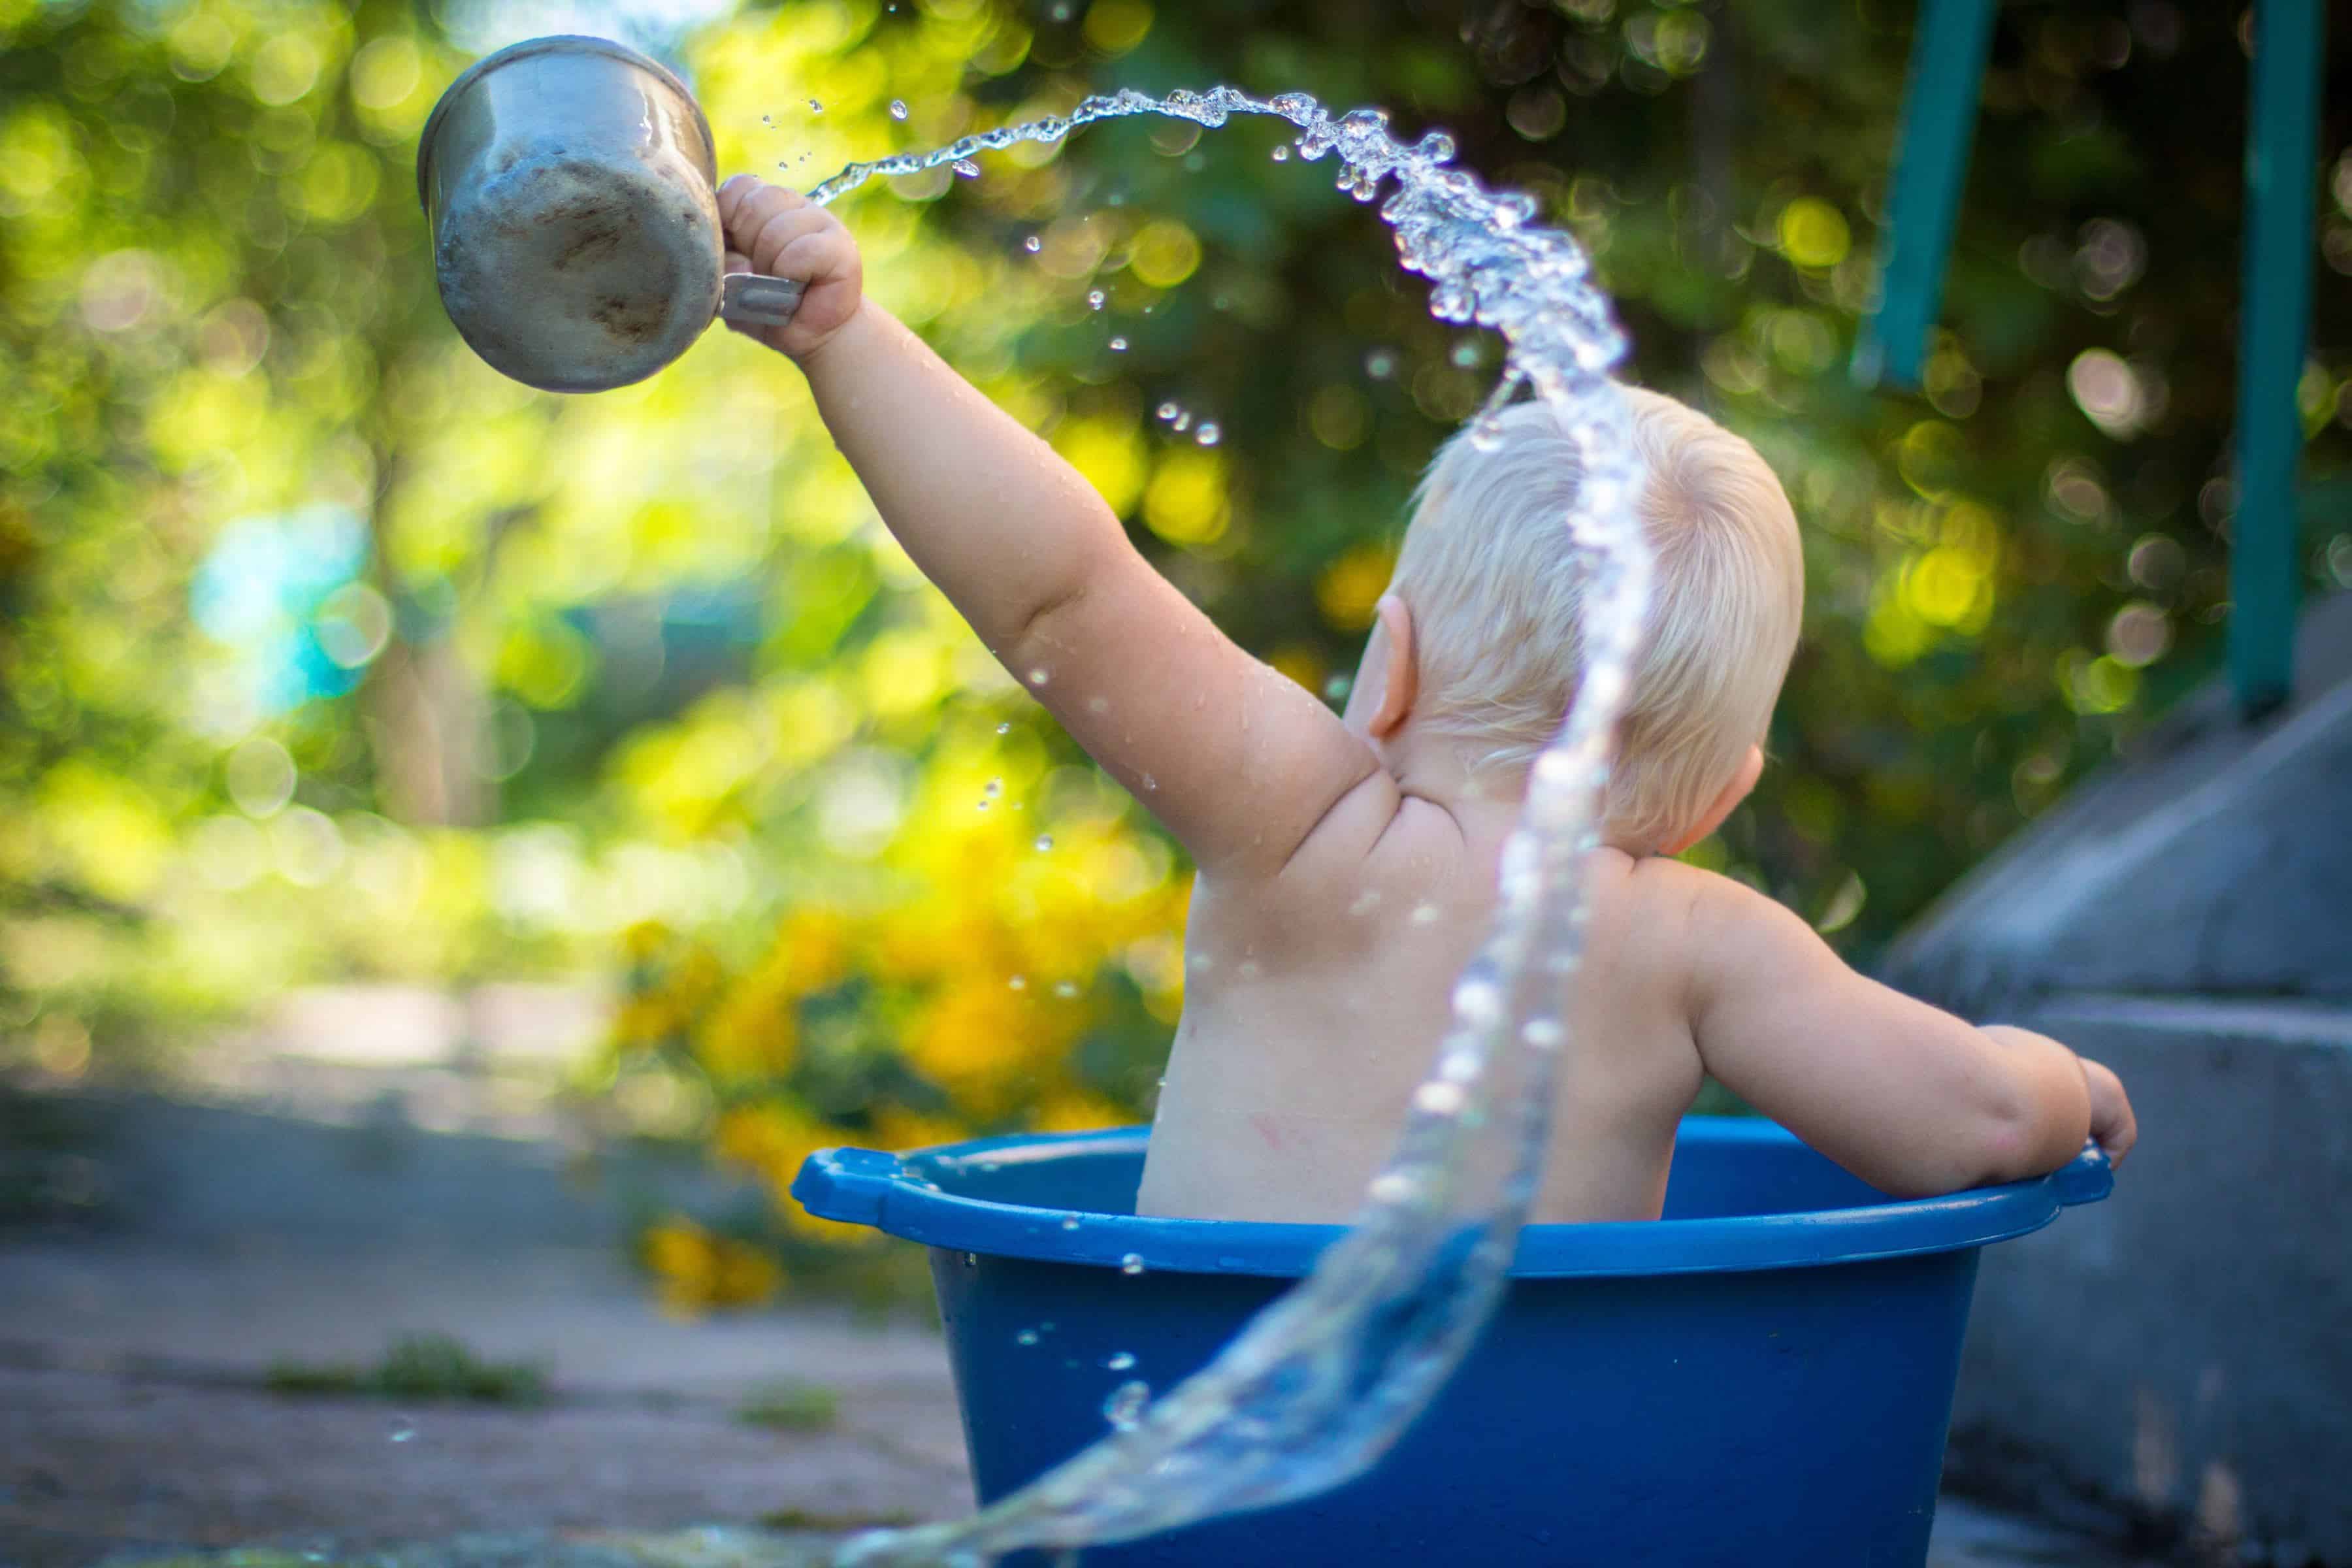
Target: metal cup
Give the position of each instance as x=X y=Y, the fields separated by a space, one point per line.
x=571 y=183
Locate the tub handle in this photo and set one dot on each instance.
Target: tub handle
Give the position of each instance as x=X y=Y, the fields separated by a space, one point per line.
x=2085 y=1179
x=847 y=1184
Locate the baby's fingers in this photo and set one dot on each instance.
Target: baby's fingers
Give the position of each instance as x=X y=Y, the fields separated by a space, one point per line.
x=788 y=231
x=746 y=201
x=2113 y=1124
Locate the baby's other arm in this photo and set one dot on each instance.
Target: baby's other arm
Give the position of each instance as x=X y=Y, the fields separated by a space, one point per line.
x=1236 y=758
x=1909 y=1098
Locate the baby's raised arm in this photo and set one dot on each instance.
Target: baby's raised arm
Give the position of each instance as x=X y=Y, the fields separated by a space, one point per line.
x=1237 y=760
x=1907 y=1097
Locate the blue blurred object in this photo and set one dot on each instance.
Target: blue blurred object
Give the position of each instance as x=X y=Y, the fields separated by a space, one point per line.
x=1931 y=167
x=2274 y=336
x=1762 y=1379
x=258 y=592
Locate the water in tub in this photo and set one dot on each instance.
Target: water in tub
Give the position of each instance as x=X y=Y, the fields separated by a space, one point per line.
x=1316 y=1388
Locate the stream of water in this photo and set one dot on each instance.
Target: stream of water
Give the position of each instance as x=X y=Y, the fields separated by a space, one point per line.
x=1318 y=1385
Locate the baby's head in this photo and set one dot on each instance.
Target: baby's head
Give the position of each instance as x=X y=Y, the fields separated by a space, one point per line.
x=1493 y=602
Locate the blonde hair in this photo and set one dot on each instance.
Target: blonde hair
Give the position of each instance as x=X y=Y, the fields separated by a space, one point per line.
x=1496 y=600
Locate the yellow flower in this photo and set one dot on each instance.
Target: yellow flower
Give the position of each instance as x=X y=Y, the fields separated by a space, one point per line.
x=644 y=1020
x=897 y=1129
x=1080 y=1111
x=982 y=1038
x=813 y=951
x=644 y=940
x=753 y=1030
x=742 y=1276
x=695 y=977
x=699 y=1271
x=760 y=1138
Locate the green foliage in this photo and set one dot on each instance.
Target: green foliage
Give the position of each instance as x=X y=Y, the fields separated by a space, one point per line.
x=791 y=1406
x=645 y=658
x=419 y=1367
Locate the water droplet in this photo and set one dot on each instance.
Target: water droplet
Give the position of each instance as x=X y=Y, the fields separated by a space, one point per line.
x=1379 y=364
x=1069 y=1222
x=1132 y=1264
x=767 y=120
x=1438 y=1098
x=1032 y=245
x=1037 y=678
x=1394 y=1187
x=1025 y=1337
x=1425 y=914
x=1209 y=435
x=1119 y=345
x=815 y=108
x=1123 y=1408
x=402 y=1433
x=1066 y=990
x=1281 y=155
x=1095 y=299
x=1467 y=354
x=897 y=108
x=1183 y=420
x=1150 y=783
x=1166 y=411
x=1005 y=728
x=1120 y=1361
x=972 y=1260
x=1019 y=982
x=993 y=788
x=967 y=168
x=1044 y=842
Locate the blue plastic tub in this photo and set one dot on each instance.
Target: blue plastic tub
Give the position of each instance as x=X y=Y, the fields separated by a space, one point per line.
x=1762 y=1379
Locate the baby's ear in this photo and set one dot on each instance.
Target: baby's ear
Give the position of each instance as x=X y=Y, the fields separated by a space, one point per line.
x=1400 y=671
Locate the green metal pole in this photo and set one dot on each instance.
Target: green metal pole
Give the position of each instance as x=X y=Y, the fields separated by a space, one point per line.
x=2265 y=576
x=1931 y=166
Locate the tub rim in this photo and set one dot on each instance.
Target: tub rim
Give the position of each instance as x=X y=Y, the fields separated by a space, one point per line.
x=894 y=1193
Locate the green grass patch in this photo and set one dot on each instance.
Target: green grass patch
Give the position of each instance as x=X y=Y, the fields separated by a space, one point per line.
x=422 y=1367
x=791 y=1407
x=834 y=1523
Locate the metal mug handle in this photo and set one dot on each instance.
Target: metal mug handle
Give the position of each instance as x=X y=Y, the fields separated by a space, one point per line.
x=758 y=300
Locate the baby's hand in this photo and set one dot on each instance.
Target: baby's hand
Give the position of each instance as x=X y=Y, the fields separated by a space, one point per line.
x=782 y=234
x=2113 y=1127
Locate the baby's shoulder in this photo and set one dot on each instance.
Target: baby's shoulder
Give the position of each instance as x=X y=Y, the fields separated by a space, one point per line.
x=1652 y=910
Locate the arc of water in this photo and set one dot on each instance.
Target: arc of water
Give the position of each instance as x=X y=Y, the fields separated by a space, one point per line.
x=1318 y=1385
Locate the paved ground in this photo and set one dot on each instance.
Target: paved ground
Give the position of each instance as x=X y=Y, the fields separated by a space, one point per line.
x=316 y=1226
x=133 y=1412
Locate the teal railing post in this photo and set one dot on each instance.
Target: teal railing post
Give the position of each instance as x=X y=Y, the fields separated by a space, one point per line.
x=1931 y=166
x=2274 y=323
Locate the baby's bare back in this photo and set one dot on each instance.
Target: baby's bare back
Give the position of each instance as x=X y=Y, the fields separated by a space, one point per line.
x=1315 y=1002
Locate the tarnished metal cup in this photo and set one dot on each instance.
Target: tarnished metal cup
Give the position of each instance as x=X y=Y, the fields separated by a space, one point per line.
x=571 y=183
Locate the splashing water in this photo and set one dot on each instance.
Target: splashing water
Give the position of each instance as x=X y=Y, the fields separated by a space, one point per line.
x=1318 y=1386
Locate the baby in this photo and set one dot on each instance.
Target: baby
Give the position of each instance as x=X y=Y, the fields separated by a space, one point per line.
x=1347 y=864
